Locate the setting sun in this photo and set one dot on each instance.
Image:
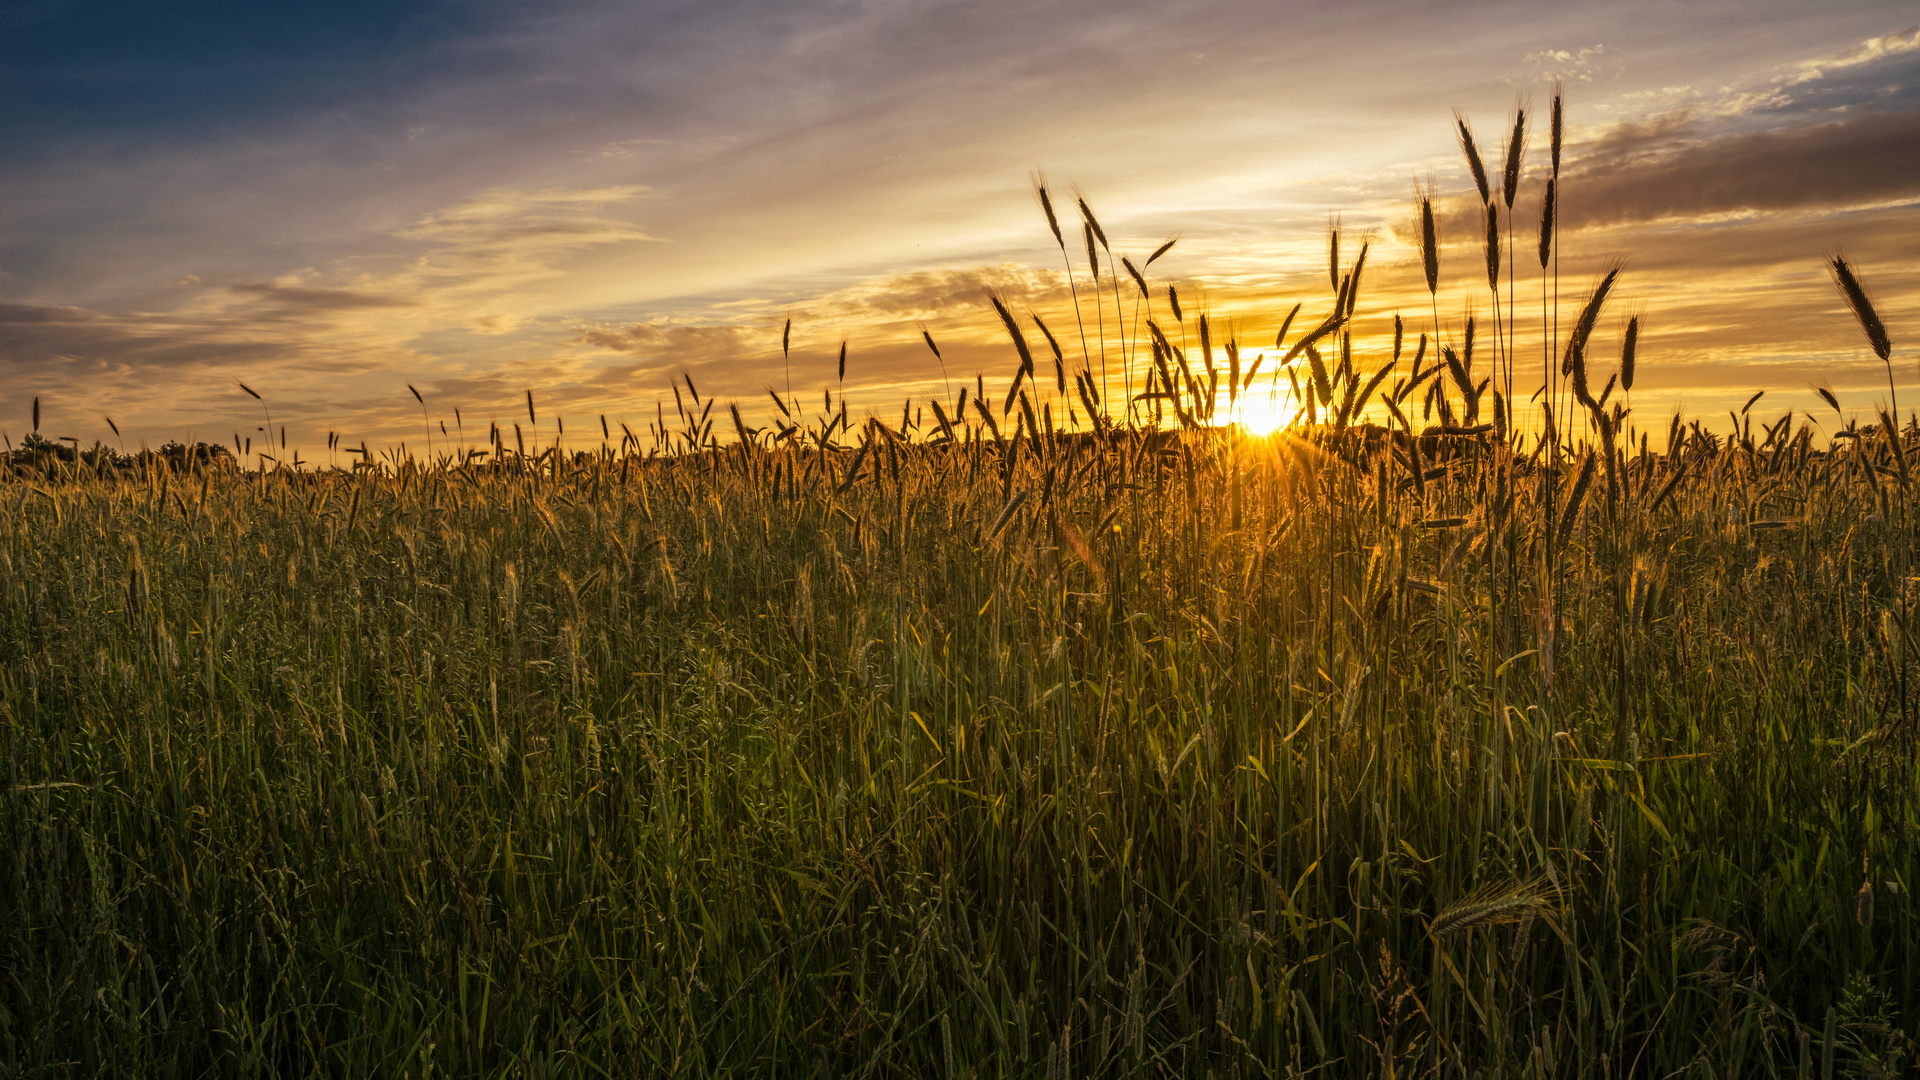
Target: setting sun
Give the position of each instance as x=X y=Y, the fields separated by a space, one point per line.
x=1263 y=413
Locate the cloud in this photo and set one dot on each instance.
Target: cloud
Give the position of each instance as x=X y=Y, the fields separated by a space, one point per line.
x=934 y=293
x=295 y=298
x=662 y=338
x=506 y=237
x=1866 y=74
x=629 y=148
x=158 y=346
x=1866 y=52
x=334 y=344
x=1654 y=172
x=870 y=314
x=1580 y=65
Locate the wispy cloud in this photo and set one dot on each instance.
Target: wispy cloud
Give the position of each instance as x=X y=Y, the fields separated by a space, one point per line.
x=293 y=298
x=1867 y=52
x=1584 y=64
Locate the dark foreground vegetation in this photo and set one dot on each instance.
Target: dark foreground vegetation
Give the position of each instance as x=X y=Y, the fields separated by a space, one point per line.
x=1225 y=754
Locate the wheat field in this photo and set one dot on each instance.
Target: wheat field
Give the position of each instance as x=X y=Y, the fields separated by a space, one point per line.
x=989 y=740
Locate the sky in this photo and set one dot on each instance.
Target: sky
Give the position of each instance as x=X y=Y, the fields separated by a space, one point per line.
x=591 y=200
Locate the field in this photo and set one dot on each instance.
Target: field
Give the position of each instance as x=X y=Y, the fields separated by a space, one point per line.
x=924 y=747
x=1150 y=756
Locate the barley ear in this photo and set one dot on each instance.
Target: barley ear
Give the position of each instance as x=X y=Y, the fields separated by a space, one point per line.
x=1472 y=151
x=1429 y=244
x=1086 y=214
x=1280 y=339
x=1627 y=353
x=1516 y=146
x=1493 y=906
x=1013 y=330
x=1575 y=360
x=1546 y=223
x=1333 y=252
x=1862 y=305
x=1577 y=496
x=1059 y=361
x=1556 y=129
x=1046 y=204
x=1493 y=246
x=1353 y=280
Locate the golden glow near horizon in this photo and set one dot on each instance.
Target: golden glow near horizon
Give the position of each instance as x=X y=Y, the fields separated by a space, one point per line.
x=330 y=243
x=1265 y=414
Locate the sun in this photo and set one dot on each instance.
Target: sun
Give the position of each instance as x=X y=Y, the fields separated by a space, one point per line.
x=1263 y=414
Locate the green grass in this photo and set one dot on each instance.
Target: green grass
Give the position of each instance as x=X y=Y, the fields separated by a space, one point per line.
x=716 y=765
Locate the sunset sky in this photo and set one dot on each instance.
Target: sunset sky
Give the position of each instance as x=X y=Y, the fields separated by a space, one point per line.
x=328 y=202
